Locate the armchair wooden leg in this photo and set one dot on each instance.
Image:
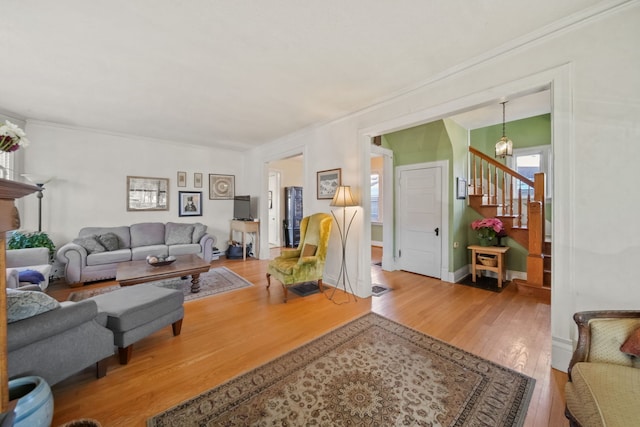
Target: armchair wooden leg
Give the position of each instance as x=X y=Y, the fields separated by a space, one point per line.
x=286 y=292
x=268 y=280
x=320 y=285
x=176 y=327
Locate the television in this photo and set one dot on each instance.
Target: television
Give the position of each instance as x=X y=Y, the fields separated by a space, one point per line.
x=242 y=208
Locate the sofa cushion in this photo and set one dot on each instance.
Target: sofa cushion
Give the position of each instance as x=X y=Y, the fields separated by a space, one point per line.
x=140 y=253
x=178 y=234
x=90 y=243
x=24 y=304
x=123 y=233
x=110 y=241
x=191 y=248
x=607 y=335
x=199 y=230
x=147 y=234
x=110 y=257
x=602 y=394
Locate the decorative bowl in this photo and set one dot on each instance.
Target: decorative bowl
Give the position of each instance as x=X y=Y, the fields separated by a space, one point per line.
x=158 y=261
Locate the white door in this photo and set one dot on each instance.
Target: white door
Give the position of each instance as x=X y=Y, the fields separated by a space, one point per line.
x=274 y=209
x=419 y=221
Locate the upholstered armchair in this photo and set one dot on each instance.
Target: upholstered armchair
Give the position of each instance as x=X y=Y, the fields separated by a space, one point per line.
x=604 y=375
x=24 y=264
x=306 y=263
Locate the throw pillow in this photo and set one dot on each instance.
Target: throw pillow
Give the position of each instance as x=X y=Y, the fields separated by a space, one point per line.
x=199 y=230
x=632 y=345
x=31 y=276
x=90 y=243
x=109 y=241
x=178 y=234
x=308 y=250
x=24 y=304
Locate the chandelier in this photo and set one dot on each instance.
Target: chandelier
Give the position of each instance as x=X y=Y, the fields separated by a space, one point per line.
x=504 y=146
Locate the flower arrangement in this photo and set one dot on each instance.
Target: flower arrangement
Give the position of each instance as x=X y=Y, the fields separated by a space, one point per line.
x=488 y=228
x=12 y=137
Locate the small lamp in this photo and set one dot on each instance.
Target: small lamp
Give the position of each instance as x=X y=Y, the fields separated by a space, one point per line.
x=343 y=198
x=504 y=146
x=39 y=181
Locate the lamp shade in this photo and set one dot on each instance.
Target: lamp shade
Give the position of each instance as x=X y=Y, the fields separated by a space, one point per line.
x=39 y=180
x=343 y=197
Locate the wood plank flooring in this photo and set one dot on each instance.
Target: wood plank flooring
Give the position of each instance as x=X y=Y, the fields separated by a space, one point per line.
x=226 y=335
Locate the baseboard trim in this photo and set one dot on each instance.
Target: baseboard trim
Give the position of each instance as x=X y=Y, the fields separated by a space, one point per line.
x=561 y=353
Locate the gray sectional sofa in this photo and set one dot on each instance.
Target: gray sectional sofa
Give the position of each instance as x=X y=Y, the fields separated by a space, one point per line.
x=95 y=254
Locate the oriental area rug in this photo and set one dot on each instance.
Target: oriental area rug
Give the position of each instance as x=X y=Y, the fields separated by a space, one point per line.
x=371 y=371
x=215 y=281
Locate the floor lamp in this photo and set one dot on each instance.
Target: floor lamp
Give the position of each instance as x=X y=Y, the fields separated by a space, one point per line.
x=343 y=198
x=39 y=181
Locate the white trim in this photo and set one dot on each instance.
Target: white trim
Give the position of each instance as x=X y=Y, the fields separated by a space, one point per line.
x=444 y=211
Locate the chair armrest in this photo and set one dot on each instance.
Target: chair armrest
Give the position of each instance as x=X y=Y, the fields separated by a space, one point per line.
x=74 y=258
x=582 y=319
x=207 y=242
x=51 y=323
x=290 y=254
x=13 y=278
x=312 y=259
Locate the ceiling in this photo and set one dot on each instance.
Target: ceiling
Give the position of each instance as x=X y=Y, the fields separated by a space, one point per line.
x=241 y=73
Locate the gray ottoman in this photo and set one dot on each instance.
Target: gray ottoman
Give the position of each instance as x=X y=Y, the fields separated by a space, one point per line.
x=135 y=312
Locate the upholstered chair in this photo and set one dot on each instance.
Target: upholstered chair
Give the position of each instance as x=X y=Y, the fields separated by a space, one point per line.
x=604 y=373
x=306 y=263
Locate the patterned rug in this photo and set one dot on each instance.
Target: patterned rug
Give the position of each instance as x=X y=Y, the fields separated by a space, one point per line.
x=372 y=371
x=377 y=289
x=215 y=281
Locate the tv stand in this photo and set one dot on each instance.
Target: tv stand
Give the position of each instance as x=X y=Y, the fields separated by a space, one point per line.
x=244 y=227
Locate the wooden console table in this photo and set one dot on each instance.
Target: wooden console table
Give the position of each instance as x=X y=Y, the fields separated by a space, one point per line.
x=498 y=251
x=246 y=227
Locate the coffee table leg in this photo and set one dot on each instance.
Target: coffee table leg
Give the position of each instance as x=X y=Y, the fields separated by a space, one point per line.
x=195 y=283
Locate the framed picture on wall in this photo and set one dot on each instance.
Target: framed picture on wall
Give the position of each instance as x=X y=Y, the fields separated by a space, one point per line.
x=197 y=180
x=221 y=187
x=182 y=179
x=328 y=182
x=190 y=203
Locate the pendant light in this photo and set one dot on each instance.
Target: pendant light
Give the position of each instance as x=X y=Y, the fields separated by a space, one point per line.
x=504 y=147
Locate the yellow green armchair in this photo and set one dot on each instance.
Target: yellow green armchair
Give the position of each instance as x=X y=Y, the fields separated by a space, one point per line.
x=306 y=263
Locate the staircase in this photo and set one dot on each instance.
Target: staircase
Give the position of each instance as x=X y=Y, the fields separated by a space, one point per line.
x=498 y=191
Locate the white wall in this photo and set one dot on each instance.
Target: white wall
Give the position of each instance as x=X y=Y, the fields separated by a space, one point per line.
x=592 y=69
x=90 y=170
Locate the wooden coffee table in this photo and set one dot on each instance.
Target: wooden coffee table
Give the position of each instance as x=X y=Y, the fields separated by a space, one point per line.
x=136 y=272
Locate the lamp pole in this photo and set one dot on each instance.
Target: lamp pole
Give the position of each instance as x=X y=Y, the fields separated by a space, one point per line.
x=343 y=198
x=39 y=196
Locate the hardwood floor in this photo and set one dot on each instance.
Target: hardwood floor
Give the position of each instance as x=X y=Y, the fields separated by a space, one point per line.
x=228 y=334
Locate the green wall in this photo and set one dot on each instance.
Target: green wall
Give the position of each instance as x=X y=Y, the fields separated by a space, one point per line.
x=376 y=232
x=446 y=140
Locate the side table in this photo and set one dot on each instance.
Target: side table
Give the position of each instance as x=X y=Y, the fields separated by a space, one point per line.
x=498 y=251
x=245 y=227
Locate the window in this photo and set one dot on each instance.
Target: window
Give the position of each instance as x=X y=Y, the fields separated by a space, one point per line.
x=532 y=160
x=376 y=196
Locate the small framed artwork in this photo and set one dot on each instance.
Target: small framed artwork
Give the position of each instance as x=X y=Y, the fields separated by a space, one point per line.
x=461 y=188
x=182 y=179
x=197 y=180
x=189 y=203
x=221 y=187
x=328 y=182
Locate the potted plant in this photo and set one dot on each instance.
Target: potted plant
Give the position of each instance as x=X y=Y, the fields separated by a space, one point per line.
x=34 y=239
x=487 y=229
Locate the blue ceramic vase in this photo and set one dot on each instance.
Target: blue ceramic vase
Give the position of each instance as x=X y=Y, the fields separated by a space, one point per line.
x=35 y=402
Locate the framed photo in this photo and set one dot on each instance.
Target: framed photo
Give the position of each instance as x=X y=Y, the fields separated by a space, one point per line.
x=197 y=180
x=182 y=179
x=328 y=182
x=190 y=203
x=147 y=194
x=221 y=187
x=461 y=188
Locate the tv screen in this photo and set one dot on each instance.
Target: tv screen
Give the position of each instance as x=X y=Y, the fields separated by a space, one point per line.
x=242 y=208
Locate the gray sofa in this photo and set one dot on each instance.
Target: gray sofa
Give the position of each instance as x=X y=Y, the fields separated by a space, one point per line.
x=84 y=261
x=59 y=342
